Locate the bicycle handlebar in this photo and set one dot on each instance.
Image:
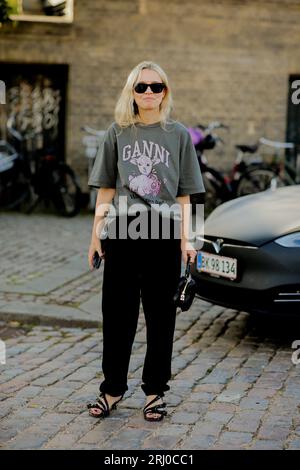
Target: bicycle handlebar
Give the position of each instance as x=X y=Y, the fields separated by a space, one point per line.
x=274 y=143
x=213 y=125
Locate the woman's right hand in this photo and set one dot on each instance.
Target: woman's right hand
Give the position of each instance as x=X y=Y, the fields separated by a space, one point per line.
x=104 y=199
x=94 y=246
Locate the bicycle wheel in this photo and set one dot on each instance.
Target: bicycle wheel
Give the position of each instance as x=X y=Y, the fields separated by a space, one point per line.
x=15 y=190
x=66 y=191
x=210 y=198
x=256 y=180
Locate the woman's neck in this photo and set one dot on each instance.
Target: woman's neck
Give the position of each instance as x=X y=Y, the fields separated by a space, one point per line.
x=148 y=116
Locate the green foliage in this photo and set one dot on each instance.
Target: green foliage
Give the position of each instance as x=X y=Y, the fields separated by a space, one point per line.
x=5 y=11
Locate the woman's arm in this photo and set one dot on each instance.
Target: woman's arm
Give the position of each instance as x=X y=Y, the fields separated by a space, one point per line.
x=104 y=198
x=187 y=248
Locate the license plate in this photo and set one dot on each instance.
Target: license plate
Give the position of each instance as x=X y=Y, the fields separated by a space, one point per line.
x=217 y=265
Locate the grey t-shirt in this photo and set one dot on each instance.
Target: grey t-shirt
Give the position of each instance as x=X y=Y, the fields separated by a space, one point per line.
x=148 y=165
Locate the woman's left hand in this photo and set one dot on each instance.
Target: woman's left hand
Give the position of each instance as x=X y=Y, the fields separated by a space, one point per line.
x=187 y=250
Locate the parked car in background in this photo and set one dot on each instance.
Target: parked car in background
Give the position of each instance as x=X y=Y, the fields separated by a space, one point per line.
x=250 y=258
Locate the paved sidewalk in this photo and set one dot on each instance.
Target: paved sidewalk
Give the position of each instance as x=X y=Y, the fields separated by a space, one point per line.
x=234 y=385
x=230 y=389
x=44 y=270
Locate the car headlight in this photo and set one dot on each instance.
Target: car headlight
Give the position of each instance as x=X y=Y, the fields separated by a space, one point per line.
x=290 y=241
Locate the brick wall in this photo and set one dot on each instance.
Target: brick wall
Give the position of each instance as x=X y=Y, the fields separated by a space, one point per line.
x=227 y=60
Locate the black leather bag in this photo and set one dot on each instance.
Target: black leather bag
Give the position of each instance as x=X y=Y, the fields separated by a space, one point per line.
x=186 y=290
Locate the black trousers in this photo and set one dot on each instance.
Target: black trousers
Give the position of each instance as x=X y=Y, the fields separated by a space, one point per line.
x=134 y=270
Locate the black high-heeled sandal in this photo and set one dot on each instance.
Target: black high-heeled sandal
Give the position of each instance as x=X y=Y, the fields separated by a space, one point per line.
x=157 y=409
x=102 y=404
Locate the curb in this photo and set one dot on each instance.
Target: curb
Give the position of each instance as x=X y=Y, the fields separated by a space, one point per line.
x=42 y=319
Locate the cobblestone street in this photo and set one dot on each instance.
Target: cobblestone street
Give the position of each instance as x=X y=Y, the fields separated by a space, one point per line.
x=234 y=385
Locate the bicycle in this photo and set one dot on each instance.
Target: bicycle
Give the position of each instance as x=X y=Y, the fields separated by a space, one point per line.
x=216 y=185
x=277 y=173
x=36 y=177
x=250 y=173
x=220 y=187
x=15 y=188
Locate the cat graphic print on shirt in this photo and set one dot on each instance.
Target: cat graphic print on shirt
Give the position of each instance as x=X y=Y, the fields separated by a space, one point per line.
x=148 y=164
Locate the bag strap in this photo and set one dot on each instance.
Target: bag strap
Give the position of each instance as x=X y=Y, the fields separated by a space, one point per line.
x=188 y=267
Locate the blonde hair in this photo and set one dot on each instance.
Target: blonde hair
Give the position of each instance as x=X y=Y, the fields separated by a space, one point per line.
x=126 y=110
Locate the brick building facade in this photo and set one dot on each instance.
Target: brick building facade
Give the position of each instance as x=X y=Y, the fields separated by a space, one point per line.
x=228 y=60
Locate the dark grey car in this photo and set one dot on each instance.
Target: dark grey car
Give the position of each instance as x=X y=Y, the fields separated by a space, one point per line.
x=250 y=259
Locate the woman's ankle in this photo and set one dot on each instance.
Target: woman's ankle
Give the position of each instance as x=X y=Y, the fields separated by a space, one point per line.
x=151 y=397
x=112 y=399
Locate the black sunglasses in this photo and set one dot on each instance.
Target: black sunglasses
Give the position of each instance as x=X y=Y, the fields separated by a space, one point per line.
x=155 y=87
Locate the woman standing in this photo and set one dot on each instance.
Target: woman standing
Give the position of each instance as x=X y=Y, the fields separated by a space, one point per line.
x=146 y=164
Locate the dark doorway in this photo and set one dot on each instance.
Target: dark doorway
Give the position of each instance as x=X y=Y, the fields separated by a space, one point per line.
x=36 y=103
x=293 y=121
